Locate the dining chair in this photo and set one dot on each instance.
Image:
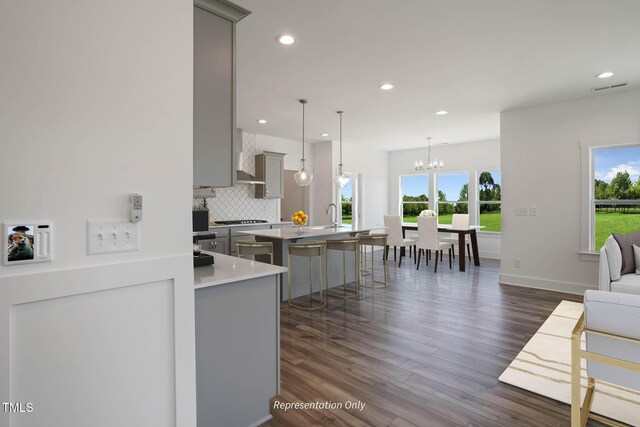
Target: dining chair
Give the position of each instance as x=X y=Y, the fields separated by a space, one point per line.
x=459 y=221
x=393 y=224
x=428 y=240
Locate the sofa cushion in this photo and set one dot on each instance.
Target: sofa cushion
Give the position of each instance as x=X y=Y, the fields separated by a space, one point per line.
x=628 y=284
x=626 y=242
x=614 y=257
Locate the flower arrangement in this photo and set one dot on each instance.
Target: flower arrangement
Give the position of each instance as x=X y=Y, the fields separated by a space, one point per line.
x=299 y=218
x=428 y=212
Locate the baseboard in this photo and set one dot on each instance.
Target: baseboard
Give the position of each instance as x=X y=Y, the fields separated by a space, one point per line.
x=262 y=421
x=549 y=285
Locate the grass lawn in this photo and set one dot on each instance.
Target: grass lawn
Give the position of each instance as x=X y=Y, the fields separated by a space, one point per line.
x=490 y=220
x=616 y=222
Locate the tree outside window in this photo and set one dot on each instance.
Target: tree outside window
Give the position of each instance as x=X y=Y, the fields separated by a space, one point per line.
x=346 y=202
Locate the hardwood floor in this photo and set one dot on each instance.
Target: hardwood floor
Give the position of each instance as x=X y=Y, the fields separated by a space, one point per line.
x=427 y=351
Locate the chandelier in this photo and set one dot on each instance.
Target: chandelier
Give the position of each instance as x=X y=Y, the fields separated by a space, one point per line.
x=436 y=165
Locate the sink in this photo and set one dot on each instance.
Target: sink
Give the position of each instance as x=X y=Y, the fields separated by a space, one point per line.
x=327 y=227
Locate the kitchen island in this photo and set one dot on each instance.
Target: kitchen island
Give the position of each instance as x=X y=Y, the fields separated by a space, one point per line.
x=237 y=317
x=300 y=266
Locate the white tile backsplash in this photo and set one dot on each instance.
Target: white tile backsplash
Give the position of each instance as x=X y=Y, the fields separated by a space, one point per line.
x=239 y=202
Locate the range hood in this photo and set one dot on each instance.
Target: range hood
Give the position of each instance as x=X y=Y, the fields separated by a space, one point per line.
x=242 y=176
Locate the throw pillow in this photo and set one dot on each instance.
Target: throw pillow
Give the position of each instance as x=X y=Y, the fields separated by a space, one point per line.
x=614 y=256
x=636 y=255
x=626 y=242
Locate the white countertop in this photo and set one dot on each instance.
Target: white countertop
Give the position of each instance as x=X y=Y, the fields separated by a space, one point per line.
x=229 y=269
x=291 y=233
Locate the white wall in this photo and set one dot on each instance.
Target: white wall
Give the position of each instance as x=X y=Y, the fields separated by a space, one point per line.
x=541 y=168
x=96 y=104
x=322 y=186
x=373 y=165
x=472 y=157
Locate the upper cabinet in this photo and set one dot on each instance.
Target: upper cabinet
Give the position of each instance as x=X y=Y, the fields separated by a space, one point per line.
x=270 y=169
x=214 y=115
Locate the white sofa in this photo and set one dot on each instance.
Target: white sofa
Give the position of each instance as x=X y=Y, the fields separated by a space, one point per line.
x=610 y=266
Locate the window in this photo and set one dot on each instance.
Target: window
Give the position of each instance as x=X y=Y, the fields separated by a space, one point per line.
x=489 y=204
x=615 y=192
x=453 y=195
x=346 y=202
x=414 y=190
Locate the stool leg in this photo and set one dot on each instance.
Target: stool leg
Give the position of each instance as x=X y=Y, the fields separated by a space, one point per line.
x=327 y=282
x=357 y=276
x=289 y=284
x=311 y=282
x=418 y=257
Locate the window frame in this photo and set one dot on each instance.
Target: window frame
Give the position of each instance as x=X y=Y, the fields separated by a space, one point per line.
x=587 y=249
x=436 y=190
x=401 y=192
x=487 y=202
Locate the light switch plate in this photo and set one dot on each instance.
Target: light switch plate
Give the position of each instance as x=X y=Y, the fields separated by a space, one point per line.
x=110 y=236
x=522 y=211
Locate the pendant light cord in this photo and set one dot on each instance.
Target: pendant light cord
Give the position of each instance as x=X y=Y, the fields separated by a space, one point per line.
x=340 y=112
x=303 y=104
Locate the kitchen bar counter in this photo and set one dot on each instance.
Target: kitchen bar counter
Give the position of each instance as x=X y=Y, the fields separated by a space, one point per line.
x=213 y=226
x=291 y=233
x=228 y=269
x=299 y=265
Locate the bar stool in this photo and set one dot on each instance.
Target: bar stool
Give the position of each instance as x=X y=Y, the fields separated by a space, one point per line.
x=363 y=254
x=346 y=245
x=376 y=240
x=309 y=250
x=250 y=248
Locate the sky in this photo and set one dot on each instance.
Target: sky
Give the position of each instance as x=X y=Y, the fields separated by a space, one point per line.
x=347 y=190
x=608 y=162
x=450 y=184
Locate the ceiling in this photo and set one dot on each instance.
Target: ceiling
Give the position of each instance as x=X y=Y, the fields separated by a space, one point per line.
x=471 y=58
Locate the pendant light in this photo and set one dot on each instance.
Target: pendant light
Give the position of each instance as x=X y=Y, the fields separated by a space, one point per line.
x=341 y=179
x=303 y=177
x=431 y=166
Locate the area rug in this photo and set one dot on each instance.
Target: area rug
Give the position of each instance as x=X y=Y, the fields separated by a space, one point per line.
x=544 y=367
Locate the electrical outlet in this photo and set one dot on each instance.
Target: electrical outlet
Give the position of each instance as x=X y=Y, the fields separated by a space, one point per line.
x=516 y=263
x=111 y=236
x=522 y=211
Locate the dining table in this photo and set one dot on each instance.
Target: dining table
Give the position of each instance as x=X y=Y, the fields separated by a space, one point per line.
x=461 y=232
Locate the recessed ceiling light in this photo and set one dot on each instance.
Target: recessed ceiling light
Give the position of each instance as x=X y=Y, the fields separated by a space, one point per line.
x=386 y=86
x=604 y=75
x=262 y=121
x=324 y=134
x=286 y=39
x=442 y=113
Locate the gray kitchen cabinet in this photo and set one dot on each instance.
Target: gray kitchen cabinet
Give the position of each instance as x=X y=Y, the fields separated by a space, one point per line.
x=214 y=120
x=270 y=169
x=219 y=245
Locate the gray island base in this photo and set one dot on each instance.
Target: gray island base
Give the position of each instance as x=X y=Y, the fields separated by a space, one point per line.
x=300 y=265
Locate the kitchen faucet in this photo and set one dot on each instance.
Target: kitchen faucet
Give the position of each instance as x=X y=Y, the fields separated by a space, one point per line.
x=334 y=222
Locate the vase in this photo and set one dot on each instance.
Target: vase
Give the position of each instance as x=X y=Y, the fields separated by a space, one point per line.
x=299 y=228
